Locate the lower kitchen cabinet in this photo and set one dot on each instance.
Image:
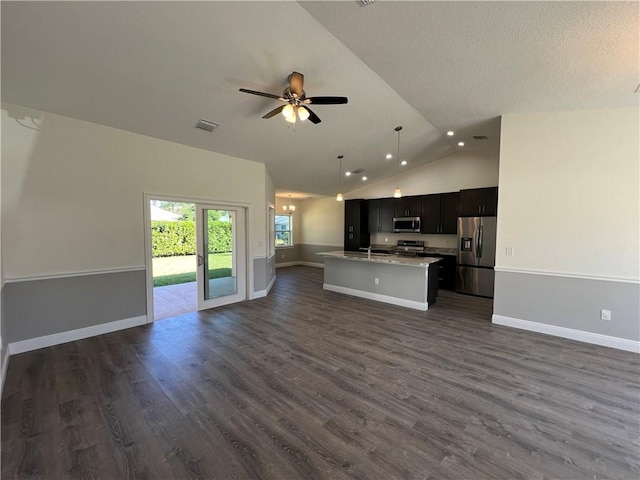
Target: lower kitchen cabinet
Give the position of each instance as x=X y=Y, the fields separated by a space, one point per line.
x=446 y=271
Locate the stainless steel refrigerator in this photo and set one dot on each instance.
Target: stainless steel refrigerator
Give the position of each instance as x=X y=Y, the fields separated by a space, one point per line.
x=476 y=255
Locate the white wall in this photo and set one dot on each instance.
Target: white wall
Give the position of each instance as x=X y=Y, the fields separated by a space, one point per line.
x=72 y=193
x=569 y=192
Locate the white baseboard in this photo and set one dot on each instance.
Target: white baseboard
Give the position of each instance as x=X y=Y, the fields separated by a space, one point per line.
x=570 y=333
x=423 y=306
x=5 y=364
x=271 y=284
x=72 y=335
x=265 y=292
x=312 y=264
x=306 y=264
x=287 y=264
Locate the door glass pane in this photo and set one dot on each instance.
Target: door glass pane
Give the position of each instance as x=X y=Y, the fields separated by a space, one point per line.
x=220 y=259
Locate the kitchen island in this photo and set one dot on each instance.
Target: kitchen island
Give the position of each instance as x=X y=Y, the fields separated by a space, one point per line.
x=406 y=281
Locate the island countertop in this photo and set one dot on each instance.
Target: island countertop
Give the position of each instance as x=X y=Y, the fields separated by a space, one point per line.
x=382 y=258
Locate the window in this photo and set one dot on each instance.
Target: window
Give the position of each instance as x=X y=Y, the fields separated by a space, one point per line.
x=283 y=231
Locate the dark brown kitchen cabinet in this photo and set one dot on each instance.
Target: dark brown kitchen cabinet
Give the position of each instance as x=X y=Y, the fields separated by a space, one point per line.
x=409 y=206
x=356 y=228
x=440 y=213
x=381 y=212
x=479 y=202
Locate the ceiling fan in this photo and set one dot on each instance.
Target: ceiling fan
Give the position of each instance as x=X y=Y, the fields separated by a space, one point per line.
x=296 y=101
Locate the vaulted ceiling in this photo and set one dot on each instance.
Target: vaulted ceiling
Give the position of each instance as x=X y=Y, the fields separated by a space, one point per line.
x=156 y=68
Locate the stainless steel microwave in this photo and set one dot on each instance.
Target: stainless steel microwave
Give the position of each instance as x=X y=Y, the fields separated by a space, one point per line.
x=406 y=224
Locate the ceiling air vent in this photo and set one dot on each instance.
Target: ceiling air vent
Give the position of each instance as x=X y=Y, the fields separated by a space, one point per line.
x=480 y=137
x=364 y=3
x=357 y=170
x=206 y=125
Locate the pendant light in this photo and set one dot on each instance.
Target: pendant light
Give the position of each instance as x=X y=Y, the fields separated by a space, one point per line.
x=397 y=193
x=339 y=196
x=289 y=208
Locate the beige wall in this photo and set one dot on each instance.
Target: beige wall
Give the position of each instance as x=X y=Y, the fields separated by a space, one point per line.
x=449 y=174
x=322 y=222
x=323 y=219
x=72 y=193
x=569 y=193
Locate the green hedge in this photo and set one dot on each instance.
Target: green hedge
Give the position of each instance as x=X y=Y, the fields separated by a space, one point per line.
x=169 y=239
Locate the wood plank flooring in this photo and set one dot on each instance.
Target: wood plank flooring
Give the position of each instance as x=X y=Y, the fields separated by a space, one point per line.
x=309 y=384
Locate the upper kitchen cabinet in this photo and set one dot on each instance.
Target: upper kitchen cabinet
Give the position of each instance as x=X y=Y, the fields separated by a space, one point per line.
x=479 y=202
x=356 y=228
x=409 y=206
x=381 y=213
x=440 y=213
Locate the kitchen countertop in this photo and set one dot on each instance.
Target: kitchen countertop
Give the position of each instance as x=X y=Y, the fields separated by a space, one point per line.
x=382 y=258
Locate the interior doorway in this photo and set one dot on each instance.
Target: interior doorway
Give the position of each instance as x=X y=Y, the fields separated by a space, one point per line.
x=196 y=255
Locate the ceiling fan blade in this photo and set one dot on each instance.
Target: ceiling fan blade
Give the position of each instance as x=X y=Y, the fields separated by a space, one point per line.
x=262 y=94
x=296 y=83
x=274 y=112
x=313 y=118
x=326 y=100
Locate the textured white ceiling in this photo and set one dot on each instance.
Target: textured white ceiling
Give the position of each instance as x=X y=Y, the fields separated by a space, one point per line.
x=157 y=67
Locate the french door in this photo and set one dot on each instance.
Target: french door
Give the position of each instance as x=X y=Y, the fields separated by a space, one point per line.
x=221 y=271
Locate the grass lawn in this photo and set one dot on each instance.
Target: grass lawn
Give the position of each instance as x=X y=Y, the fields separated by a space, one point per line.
x=182 y=269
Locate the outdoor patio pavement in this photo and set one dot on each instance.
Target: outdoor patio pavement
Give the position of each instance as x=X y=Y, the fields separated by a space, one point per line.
x=174 y=300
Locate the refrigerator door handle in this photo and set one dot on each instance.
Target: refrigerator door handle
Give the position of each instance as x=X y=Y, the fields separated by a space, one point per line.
x=479 y=244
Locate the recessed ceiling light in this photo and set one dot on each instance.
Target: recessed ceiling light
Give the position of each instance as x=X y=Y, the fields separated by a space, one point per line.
x=450 y=133
x=461 y=144
x=347 y=173
x=364 y=179
x=389 y=156
x=403 y=163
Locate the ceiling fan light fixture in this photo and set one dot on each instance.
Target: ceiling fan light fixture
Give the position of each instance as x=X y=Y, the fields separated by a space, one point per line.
x=303 y=114
x=288 y=111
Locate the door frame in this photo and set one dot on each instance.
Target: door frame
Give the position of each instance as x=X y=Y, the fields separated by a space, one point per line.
x=146 y=204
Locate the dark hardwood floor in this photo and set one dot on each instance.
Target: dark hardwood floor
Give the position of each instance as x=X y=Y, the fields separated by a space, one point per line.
x=308 y=384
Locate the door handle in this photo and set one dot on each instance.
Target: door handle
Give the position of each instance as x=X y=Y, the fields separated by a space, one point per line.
x=200 y=260
x=480 y=242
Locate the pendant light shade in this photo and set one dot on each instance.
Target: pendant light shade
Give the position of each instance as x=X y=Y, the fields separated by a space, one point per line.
x=303 y=114
x=339 y=196
x=398 y=193
x=288 y=111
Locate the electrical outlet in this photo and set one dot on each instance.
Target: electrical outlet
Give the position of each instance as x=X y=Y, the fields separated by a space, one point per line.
x=605 y=314
x=508 y=251
x=376 y=281
x=282 y=256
